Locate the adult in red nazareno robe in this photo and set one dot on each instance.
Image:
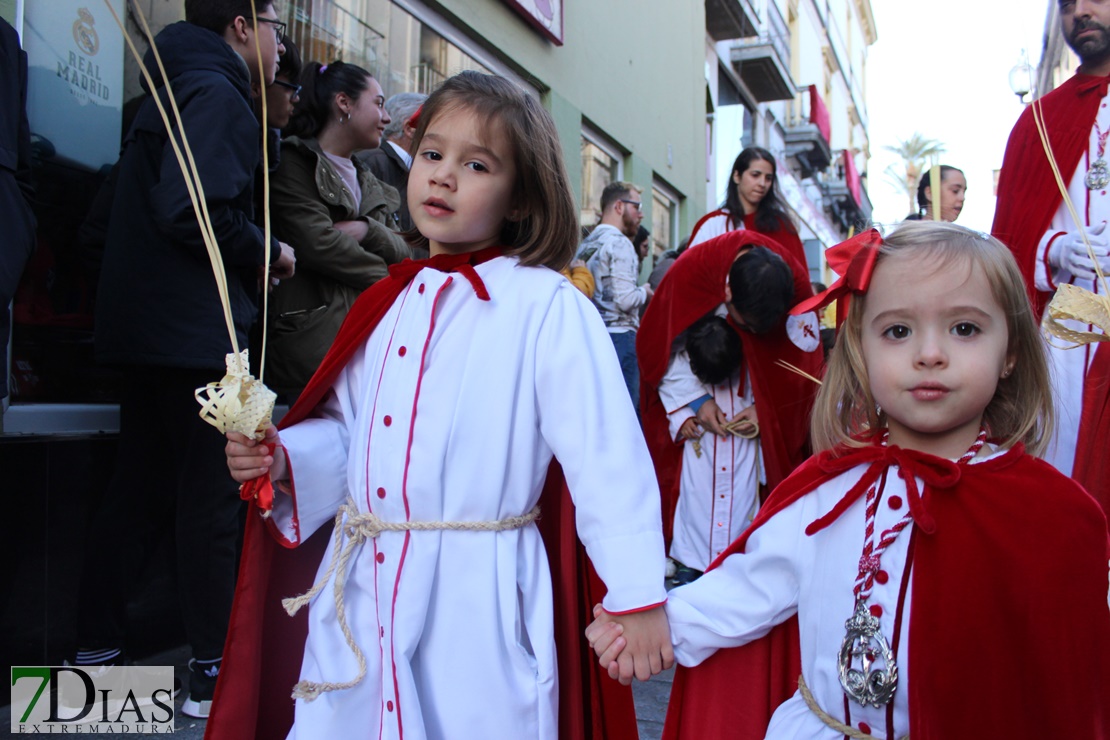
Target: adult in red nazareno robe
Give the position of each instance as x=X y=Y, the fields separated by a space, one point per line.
x=1028 y=198
x=265 y=646
x=1009 y=626
x=694 y=286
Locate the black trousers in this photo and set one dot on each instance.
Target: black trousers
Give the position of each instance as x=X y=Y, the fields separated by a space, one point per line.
x=171 y=476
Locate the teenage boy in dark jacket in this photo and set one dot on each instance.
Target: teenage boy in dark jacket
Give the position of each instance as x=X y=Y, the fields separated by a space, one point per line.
x=159 y=319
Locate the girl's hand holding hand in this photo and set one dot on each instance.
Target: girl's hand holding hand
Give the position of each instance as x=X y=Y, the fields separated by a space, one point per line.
x=646 y=644
x=604 y=636
x=248 y=458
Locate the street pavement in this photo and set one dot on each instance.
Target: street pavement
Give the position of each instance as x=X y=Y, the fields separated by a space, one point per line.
x=650 y=698
x=651 y=704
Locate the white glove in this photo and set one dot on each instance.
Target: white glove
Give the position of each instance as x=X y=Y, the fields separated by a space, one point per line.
x=1069 y=253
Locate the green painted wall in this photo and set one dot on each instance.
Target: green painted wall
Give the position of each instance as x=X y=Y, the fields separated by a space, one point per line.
x=632 y=69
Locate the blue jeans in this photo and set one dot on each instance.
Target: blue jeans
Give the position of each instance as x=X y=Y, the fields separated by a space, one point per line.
x=625 y=344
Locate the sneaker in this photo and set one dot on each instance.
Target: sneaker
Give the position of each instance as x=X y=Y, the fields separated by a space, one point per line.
x=95 y=670
x=202 y=687
x=115 y=660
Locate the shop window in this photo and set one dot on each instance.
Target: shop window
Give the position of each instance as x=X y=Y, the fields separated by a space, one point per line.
x=83 y=92
x=76 y=110
x=664 y=218
x=404 y=53
x=601 y=165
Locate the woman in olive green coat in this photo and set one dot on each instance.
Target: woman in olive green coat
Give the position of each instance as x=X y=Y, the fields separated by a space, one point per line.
x=333 y=211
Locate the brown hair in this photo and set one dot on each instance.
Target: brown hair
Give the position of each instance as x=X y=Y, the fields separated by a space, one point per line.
x=615 y=191
x=1021 y=409
x=546 y=232
x=217 y=15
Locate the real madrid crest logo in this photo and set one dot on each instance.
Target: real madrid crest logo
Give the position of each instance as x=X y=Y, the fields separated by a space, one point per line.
x=84 y=34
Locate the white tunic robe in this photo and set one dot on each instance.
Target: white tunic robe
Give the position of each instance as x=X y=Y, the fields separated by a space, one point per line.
x=718 y=491
x=785 y=572
x=451 y=412
x=1069 y=366
x=716 y=224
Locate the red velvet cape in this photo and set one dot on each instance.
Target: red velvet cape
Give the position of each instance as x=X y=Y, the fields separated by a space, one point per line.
x=1009 y=625
x=694 y=286
x=1028 y=198
x=265 y=646
x=787 y=236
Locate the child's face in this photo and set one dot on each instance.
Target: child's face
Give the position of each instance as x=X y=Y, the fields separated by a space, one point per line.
x=953 y=189
x=460 y=185
x=934 y=341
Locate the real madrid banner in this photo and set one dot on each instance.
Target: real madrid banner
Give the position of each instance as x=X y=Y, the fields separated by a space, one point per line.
x=75 y=78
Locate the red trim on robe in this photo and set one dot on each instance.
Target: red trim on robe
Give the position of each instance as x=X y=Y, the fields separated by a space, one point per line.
x=1017 y=548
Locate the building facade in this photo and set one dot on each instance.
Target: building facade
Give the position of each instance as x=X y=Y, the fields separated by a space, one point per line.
x=1057 y=61
x=790 y=76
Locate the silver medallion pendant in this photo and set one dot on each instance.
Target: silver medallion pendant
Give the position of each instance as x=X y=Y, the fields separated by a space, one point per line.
x=1098 y=176
x=864 y=641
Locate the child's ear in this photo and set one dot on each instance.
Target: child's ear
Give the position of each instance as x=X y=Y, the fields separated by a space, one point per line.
x=1008 y=367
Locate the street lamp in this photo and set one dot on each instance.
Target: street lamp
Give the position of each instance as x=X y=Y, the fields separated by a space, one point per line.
x=1021 y=77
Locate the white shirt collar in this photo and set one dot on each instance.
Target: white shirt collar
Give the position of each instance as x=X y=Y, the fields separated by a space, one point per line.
x=405 y=156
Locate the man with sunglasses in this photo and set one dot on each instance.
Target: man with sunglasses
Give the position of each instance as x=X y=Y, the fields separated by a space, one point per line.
x=611 y=257
x=160 y=322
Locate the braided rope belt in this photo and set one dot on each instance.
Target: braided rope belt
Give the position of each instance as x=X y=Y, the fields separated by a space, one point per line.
x=358 y=528
x=739 y=428
x=829 y=720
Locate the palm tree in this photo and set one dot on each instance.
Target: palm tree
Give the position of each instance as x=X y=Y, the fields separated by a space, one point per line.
x=917 y=153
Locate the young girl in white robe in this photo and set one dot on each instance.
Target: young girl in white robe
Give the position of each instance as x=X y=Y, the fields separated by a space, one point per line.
x=927 y=556
x=440 y=429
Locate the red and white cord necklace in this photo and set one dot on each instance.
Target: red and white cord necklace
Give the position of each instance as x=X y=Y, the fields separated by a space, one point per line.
x=870 y=685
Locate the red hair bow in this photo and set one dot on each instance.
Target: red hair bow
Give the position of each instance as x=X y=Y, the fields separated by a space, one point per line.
x=854 y=260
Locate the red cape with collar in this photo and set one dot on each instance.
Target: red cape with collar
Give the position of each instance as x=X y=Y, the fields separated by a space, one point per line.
x=1022 y=216
x=787 y=236
x=694 y=286
x=1008 y=588
x=265 y=646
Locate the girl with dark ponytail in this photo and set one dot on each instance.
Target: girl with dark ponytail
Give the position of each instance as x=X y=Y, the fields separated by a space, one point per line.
x=752 y=202
x=340 y=217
